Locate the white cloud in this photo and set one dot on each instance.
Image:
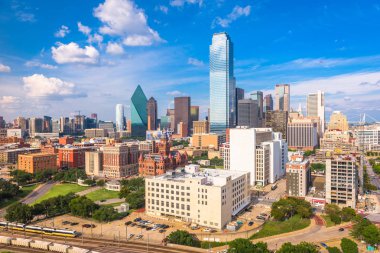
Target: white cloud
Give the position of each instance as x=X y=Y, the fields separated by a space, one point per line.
x=114 y=48
x=39 y=64
x=84 y=29
x=162 y=8
x=6 y=100
x=62 y=32
x=4 y=68
x=38 y=85
x=123 y=18
x=72 y=53
x=175 y=93
x=181 y=3
x=96 y=38
x=195 y=62
x=236 y=13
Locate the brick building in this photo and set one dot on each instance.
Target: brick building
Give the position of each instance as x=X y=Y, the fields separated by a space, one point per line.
x=71 y=157
x=33 y=163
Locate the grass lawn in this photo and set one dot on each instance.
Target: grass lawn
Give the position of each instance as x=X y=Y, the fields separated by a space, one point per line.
x=279 y=227
x=24 y=192
x=102 y=194
x=328 y=221
x=61 y=189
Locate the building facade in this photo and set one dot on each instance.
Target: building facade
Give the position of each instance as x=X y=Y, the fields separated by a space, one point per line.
x=248 y=113
x=209 y=198
x=258 y=97
x=302 y=134
x=182 y=112
x=37 y=162
x=298 y=176
x=94 y=163
x=120 y=119
x=338 y=121
x=222 y=84
x=139 y=117
x=120 y=160
x=278 y=121
x=268 y=103
x=71 y=157
x=151 y=108
x=315 y=107
x=201 y=127
x=282 y=97
x=207 y=141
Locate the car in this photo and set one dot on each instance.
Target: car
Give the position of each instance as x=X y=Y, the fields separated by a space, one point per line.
x=137 y=219
x=206 y=230
x=133 y=224
x=65 y=222
x=131 y=235
x=74 y=223
x=128 y=223
x=341 y=229
x=250 y=223
x=162 y=231
x=165 y=226
x=260 y=217
x=324 y=245
x=148 y=228
x=264 y=214
x=139 y=236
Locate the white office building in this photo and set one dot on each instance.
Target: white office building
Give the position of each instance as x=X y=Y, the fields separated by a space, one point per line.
x=208 y=198
x=316 y=108
x=258 y=151
x=120 y=118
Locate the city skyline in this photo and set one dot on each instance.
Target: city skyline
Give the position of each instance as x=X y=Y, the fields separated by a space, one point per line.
x=84 y=63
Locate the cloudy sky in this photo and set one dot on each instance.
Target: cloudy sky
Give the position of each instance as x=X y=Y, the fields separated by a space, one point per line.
x=58 y=57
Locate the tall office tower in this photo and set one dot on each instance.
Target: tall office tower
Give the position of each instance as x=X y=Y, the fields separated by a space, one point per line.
x=120 y=122
x=79 y=123
x=21 y=123
x=182 y=111
x=55 y=126
x=47 y=125
x=342 y=181
x=222 y=84
x=165 y=122
x=248 y=113
x=94 y=117
x=258 y=97
x=338 y=121
x=278 y=121
x=139 y=116
x=2 y=122
x=36 y=125
x=238 y=96
x=316 y=107
x=170 y=113
x=302 y=134
x=194 y=114
x=298 y=175
x=259 y=151
x=151 y=108
x=282 y=97
x=268 y=103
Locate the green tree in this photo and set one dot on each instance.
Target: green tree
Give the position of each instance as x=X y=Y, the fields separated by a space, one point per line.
x=136 y=200
x=21 y=177
x=335 y=218
x=44 y=175
x=8 y=190
x=106 y=214
x=288 y=207
x=100 y=182
x=332 y=209
x=19 y=212
x=333 y=250
x=348 y=246
x=347 y=213
x=371 y=235
x=82 y=207
x=124 y=192
x=303 y=247
x=246 y=246
x=183 y=237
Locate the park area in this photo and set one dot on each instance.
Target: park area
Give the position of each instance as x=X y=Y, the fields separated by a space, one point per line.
x=60 y=190
x=24 y=191
x=102 y=194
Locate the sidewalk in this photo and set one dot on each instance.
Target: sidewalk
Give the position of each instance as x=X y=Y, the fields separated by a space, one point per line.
x=87 y=191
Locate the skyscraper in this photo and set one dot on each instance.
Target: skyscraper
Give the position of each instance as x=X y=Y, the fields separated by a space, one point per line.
x=47 y=125
x=138 y=112
x=36 y=126
x=222 y=84
x=282 y=97
x=268 y=103
x=182 y=111
x=316 y=107
x=120 y=118
x=248 y=113
x=151 y=108
x=239 y=95
x=258 y=97
x=194 y=113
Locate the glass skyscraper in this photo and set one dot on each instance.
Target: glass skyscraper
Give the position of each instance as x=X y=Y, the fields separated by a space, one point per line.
x=120 y=117
x=139 y=117
x=222 y=84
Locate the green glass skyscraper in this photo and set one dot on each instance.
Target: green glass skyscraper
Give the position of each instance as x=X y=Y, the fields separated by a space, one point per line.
x=139 y=116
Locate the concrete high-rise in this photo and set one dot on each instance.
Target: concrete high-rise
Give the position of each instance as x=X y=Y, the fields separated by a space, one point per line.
x=35 y=125
x=278 y=121
x=238 y=96
x=182 y=111
x=268 y=103
x=120 y=120
x=248 y=113
x=257 y=96
x=298 y=176
x=282 y=97
x=222 y=84
x=302 y=134
x=316 y=107
x=139 y=118
x=151 y=108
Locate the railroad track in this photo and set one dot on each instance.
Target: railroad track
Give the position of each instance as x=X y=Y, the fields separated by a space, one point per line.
x=20 y=249
x=99 y=244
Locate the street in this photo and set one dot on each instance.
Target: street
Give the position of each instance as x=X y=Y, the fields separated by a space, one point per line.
x=38 y=192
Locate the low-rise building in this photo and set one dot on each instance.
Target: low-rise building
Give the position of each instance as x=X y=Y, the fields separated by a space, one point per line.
x=207 y=141
x=201 y=127
x=208 y=198
x=33 y=163
x=298 y=176
x=113 y=185
x=95 y=132
x=72 y=157
x=11 y=155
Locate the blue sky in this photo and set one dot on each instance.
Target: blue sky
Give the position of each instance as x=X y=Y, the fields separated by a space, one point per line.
x=58 y=57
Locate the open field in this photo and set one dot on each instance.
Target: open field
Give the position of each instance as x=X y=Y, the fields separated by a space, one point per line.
x=61 y=189
x=102 y=194
x=280 y=227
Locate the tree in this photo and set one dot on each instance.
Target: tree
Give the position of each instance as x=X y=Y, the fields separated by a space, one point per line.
x=21 y=177
x=371 y=235
x=348 y=214
x=136 y=200
x=8 y=190
x=106 y=214
x=124 y=192
x=246 y=246
x=303 y=247
x=183 y=237
x=332 y=209
x=44 y=175
x=333 y=250
x=335 y=218
x=82 y=207
x=100 y=182
x=54 y=206
x=19 y=212
x=348 y=246
x=288 y=207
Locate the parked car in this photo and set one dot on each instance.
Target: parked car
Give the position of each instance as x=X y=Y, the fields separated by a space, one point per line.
x=137 y=219
x=161 y=231
x=131 y=235
x=250 y=223
x=128 y=223
x=65 y=222
x=207 y=230
x=139 y=236
x=341 y=229
x=74 y=223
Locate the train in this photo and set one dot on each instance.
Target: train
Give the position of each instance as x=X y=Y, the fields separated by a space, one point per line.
x=38 y=229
